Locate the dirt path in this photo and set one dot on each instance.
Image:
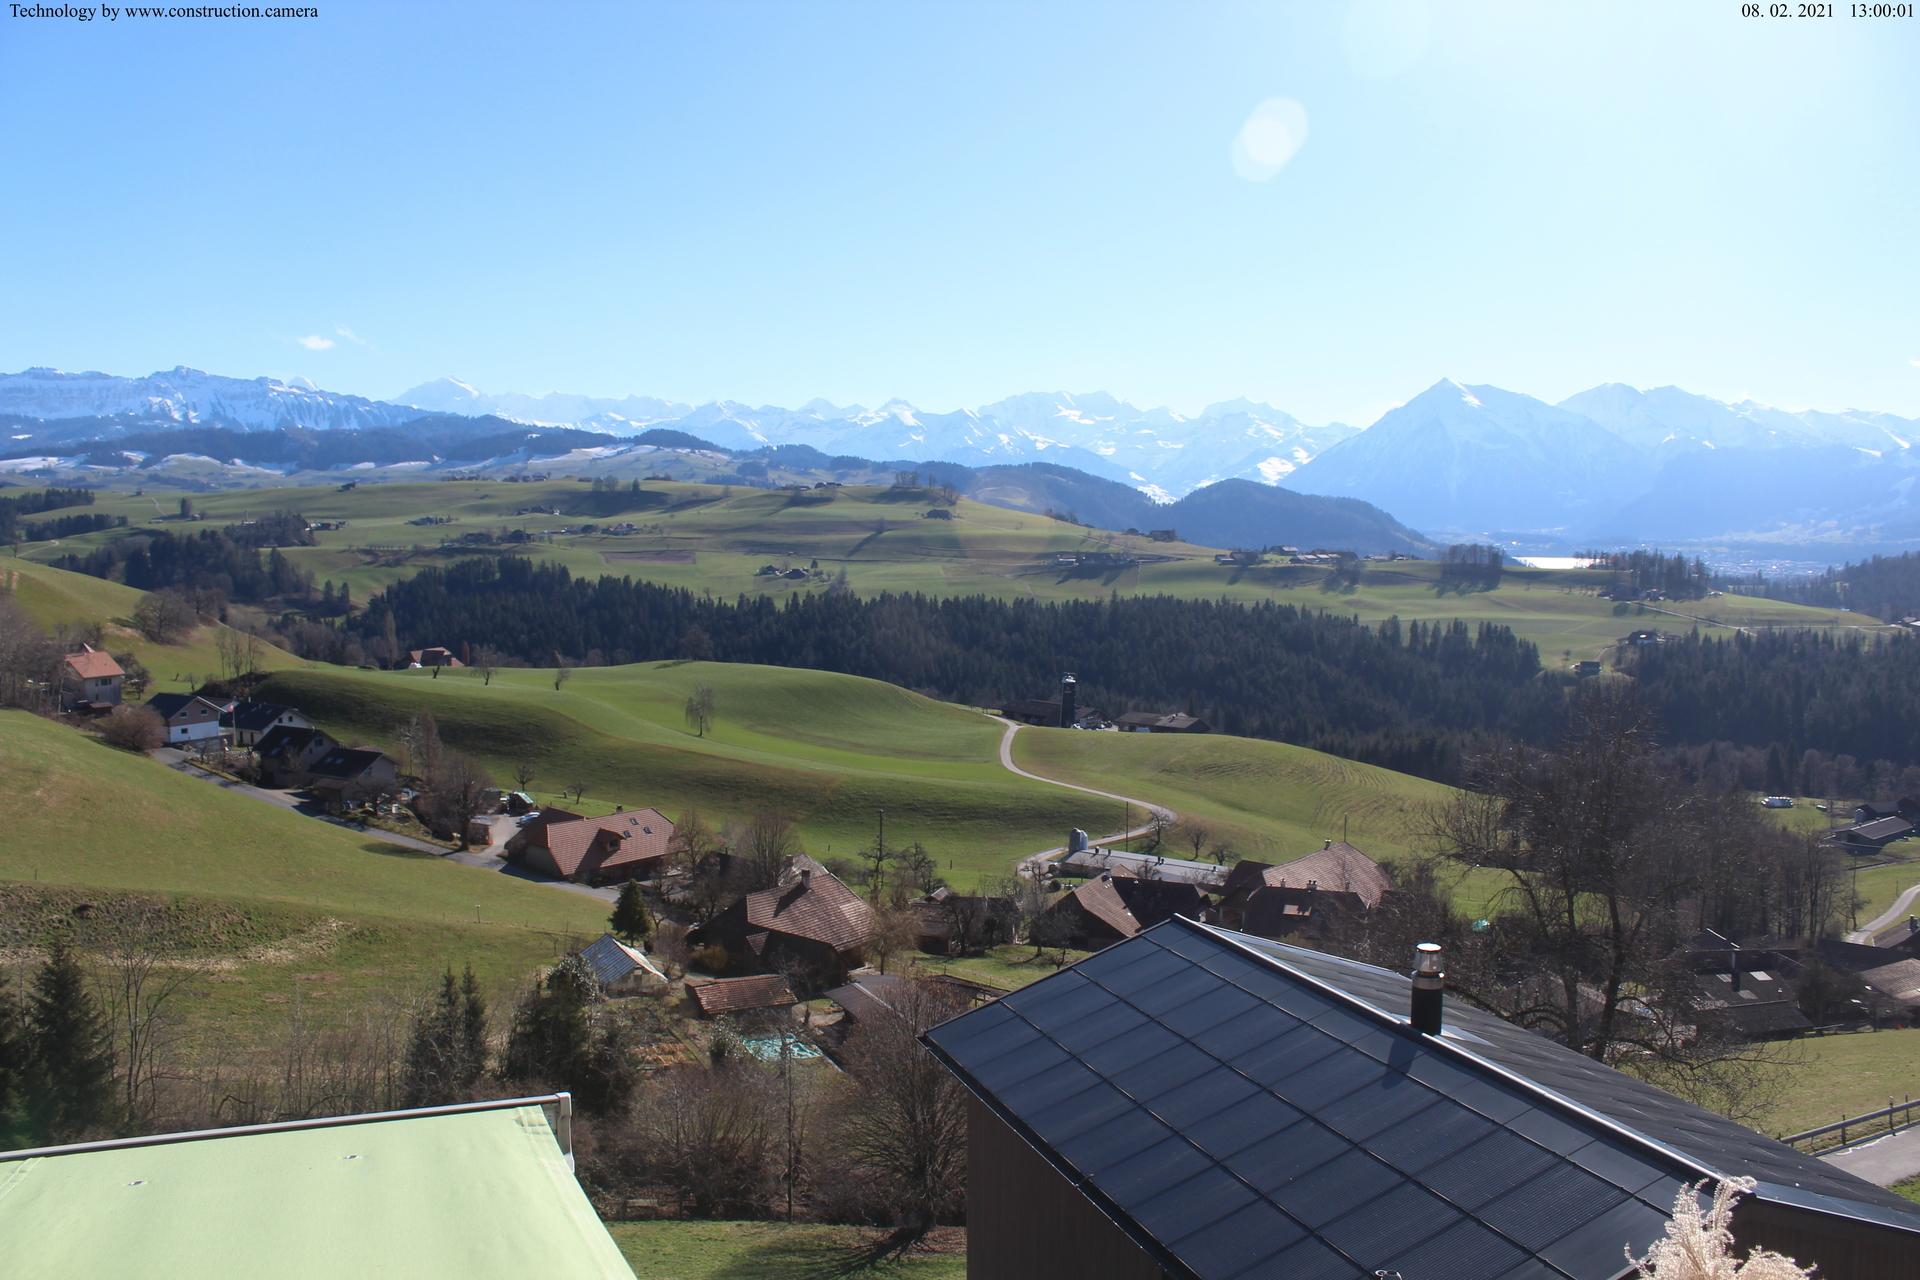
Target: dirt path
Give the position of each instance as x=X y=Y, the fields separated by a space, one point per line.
x=1028 y=864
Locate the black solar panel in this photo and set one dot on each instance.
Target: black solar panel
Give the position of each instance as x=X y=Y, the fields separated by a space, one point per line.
x=1253 y=1124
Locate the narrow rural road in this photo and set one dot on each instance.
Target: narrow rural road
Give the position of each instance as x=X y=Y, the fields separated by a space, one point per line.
x=178 y=761
x=1884 y=1161
x=1868 y=933
x=1028 y=864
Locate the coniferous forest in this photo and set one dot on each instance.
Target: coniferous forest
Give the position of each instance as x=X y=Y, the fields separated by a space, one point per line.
x=1417 y=697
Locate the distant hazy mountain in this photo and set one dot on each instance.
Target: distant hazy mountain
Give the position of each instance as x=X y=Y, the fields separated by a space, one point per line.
x=188 y=396
x=1459 y=457
x=1619 y=464
x=1157 y=451
x=1611 y=464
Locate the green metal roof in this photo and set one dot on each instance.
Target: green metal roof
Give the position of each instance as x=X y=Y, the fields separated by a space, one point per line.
x=466 y=1196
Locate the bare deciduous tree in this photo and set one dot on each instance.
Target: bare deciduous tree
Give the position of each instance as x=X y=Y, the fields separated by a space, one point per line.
x=700 y=709
x=907 y=1129
x=764 y=847
x=144 y=985
x=486 y=660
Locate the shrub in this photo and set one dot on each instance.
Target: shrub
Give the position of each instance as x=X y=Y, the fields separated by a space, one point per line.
x=134 y=729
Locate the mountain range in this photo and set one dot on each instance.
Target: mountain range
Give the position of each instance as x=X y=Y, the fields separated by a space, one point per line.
x=1614 y=464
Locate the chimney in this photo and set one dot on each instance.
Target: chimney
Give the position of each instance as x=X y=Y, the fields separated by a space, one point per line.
x=1068 y=687
x=1328 y=844
x=1429 y=987
x=806 y=878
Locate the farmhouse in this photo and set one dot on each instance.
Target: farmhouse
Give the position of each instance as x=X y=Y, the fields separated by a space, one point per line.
x=1116 y=905
x=1161 y=722
x=189 y=717
x=1092 y=860
x=629 y=845
x=1302 y=895
x=1871 y=837
x=947 y=921
x=346 y=776
x=247 y=722
x=90 y=678
x=1200 y=1103
x=809 y=923
x=437 y=656
x=285 y=754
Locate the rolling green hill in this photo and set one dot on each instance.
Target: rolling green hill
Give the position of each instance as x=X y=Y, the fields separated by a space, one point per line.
x=284 y=906
x=711 y=538
x=831 y=750
x=54 y=596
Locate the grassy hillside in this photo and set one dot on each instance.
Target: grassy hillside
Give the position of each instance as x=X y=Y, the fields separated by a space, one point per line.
x=1269 y=800
x=771 y=1251
x=710 y=538
x=311 y=911
x=1832 y=1077
x=53 y=596
x=831 y=750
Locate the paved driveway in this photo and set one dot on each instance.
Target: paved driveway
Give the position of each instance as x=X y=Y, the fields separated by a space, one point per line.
x=1884 y=1161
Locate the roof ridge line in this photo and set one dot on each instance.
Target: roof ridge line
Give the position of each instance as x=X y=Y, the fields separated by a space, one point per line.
x=1403 y=1025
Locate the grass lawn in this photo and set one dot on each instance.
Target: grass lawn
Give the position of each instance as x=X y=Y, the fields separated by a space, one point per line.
x=707 y=537
x=1008 y=967
x=769 y=1251
x=1845 y=1075
x=301 y=910
x=1910 y=1188
x=832 y=750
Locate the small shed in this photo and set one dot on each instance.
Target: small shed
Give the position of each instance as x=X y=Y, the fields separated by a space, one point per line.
x=620 y=969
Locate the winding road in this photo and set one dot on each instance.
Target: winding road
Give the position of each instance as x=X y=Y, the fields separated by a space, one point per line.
x=1869 y=933
x=1032 y=862
x=489 y=859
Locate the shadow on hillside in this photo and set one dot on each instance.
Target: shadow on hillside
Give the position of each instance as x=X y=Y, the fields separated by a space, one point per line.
x=397 y=851
x=860 y=545
x=815 y=1258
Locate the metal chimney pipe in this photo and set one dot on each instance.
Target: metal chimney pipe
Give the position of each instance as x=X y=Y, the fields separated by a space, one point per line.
x=1429 y=988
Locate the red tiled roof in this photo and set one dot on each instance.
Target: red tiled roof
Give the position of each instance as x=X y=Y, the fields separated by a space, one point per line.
x=1338 y=868
x=92 y=664
x=616 y=840
x=738 y=995
x=815 y=906
x=1099 y=899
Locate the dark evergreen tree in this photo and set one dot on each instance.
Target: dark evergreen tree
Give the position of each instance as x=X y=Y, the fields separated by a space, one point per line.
x=69 y=1053
x=473 y=1027
x=630 y=919
x=561 y=1038
x=446 y=1049
x=13 y=1051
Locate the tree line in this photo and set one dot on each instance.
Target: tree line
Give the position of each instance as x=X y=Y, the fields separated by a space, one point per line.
x=13 y=511
x=1885 y=587
x=240 y=562
x=1674 y=576
x=1416 y=695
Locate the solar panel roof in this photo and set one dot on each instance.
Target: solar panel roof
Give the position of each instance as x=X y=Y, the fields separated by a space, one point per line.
x=1243 y=1108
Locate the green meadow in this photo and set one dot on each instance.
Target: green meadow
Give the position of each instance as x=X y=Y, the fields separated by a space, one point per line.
x=285 y=910
x=711 y=538
x=834 y=752
x=53 y=596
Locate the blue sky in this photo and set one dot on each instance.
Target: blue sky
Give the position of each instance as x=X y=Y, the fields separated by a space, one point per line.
x=954 y=202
